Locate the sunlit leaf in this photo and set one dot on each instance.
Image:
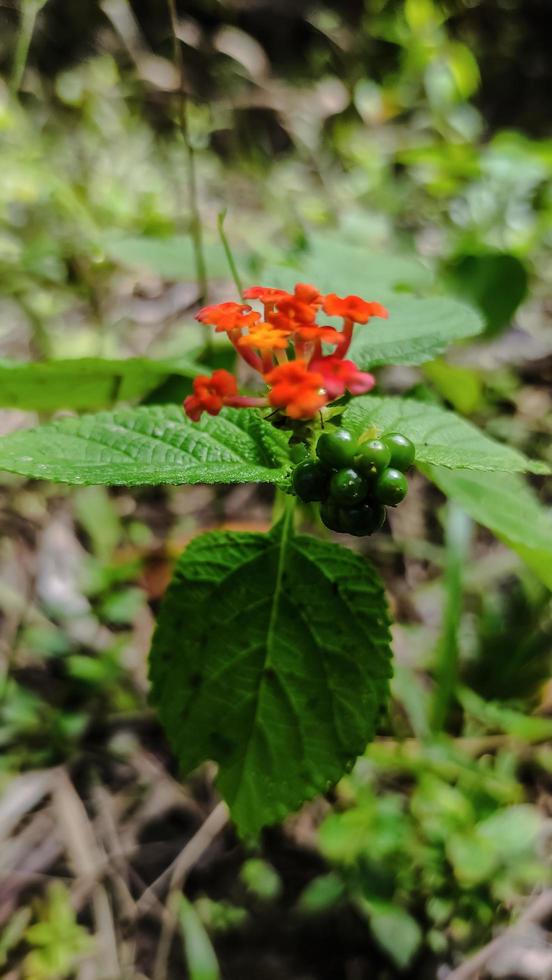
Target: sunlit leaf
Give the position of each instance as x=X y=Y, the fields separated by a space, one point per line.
x=441 y=437
x=417 y=329
x=149 y=445
x=507 y=506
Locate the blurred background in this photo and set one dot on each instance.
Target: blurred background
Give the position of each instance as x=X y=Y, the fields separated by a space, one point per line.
x=414 y=128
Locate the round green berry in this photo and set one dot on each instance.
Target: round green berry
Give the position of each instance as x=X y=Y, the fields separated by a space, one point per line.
x=330 y=515
x=362 y=520
x=392 y=487
x=348 y=487
x=310 y=480
x=373 y=457
x=337 y=448
x=403 y=451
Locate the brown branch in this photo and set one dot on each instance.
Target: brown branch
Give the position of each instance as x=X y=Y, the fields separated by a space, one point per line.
x=538 y=912
x=176 y=874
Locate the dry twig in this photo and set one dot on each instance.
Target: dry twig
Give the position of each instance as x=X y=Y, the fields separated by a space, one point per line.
x=176 y=874
x=538 y=912
x=87 y=859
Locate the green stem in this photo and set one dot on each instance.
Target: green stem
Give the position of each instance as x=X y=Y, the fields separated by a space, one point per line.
x=228 y=252
x=458 y=538
x=195 y=224
x=40 y=337
x=283 y=508
x=29 y=12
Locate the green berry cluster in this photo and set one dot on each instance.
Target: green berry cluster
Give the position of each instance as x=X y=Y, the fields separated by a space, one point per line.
x=355 y=481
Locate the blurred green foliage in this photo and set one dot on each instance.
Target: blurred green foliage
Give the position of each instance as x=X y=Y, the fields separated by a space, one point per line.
x=57 y=941
x=435 y=865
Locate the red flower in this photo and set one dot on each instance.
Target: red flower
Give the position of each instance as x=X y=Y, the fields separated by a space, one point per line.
x=299 y=309
x=293 y=313
x=210 y=394
x=352 y=308
x=339 y=375
x=266 y=294
x=228 y=316
x=312 y=333
x=265 y=336
x=308 y=294
x=296 y=390
x=300 y=386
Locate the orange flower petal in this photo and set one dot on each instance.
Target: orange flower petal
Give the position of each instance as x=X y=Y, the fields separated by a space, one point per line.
x=264 y=336
x=210 y=393
x=228 y=316
x=296 y=390
x=266 y=294
x=352 y=308
x=314 y=333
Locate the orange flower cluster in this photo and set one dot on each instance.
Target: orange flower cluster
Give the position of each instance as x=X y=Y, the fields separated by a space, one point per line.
x=284 y=346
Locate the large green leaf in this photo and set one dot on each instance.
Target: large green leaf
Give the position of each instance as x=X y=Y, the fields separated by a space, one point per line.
x=417 y=329
x=341 y=267
x=171 y=258
x=149 y=445
x=83 y=383
x=441 y=437
x=507 y=506
x=271 y=657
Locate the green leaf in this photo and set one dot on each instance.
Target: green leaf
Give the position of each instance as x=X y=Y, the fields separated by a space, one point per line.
x=261 y=878
x=335 y=266
x=497 y=716
x=271 y=657
x=321 y=893
x=417 y=329
x=84 y=383
x=200 y=956
x=495 y=282
x=441 y=437
x=508 y=507
x=461 y=386
x=513 y=832
x=149 y=445
x=471 y=857
x=171 y=258
x=393 y=928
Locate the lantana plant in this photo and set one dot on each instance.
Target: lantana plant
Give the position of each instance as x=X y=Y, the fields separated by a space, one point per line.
x=272 y=654
x=285 y=348
x=353 y=479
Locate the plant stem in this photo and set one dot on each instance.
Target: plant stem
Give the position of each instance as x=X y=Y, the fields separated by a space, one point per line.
x=283 y=508
x=29 y=12
x=458 y=538
x=228 y=252
x=40 y=338
x=195 y=224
